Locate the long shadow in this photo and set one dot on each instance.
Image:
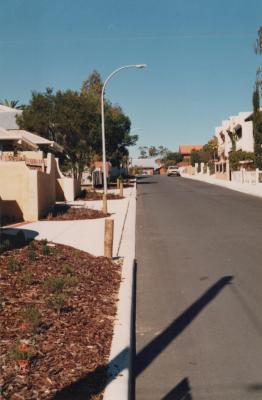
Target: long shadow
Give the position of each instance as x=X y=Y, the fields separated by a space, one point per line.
x=146 y=183
x=81 y=389
x=181 y=392
x=156 y=346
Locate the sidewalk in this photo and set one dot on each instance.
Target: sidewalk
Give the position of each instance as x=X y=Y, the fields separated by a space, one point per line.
x=86 y=235
x=247 y=188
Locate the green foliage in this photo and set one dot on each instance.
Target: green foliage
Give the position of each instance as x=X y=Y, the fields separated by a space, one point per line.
x=32 y=315
x=68 y=269
x=46 y=250
x=22 y=352
x=12 y=104
x=172 y=158
x=57 y=301
x=73 y=119
x=31 y=253
x=55 y=284
x=211 y=148
x=13 y=265
x=236 y=156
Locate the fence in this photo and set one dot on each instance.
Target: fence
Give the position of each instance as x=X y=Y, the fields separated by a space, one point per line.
x=242 y=176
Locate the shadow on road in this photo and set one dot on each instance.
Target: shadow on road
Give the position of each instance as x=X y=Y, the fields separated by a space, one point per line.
x=181 y=392
x=157 y=345
x=105 y=374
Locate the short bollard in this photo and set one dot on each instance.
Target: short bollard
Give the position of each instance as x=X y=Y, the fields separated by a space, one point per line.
x=121 y=189
x=118 y=183
x=109 y=238
x=104 y=204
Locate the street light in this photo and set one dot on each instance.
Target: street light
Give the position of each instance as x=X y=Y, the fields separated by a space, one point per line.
x=103 y=119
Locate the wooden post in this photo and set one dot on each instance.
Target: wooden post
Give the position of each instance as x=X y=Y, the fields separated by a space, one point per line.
x=109 y=238
x=104 y=204
x=118 y=183
x=121 y=189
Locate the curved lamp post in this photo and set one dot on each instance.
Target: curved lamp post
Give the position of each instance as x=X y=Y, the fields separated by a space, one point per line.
x=103 y=121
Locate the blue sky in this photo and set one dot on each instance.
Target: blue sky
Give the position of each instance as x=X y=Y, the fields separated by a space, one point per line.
x=200 y=56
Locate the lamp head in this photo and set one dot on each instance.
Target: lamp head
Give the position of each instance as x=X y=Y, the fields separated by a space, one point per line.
x=141 y=65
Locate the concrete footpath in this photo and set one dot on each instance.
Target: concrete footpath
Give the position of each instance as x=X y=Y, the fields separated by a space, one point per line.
x=247 y=188
x=86 y=235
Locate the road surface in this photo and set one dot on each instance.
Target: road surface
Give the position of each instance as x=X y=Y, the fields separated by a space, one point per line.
x=199 y=292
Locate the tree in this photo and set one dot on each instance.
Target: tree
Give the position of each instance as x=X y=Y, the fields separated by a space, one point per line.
x=152 y=151
x=143 y=151
x=162 y=151
x=93 y=85
x=172 y=158
x=211 y=148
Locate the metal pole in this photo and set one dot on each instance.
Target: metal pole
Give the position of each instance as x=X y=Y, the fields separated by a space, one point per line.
x=103 y=118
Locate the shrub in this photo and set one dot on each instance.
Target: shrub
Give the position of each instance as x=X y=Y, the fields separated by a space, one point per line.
x=46 y=250
x=32 y=315
x=13 y=265
x=71 y=281
x=57 y=301
x=68 y=269
x=31 y=254
x=55 y=284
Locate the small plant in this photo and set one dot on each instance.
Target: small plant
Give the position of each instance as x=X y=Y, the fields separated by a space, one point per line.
x=22 y=351
x=28 y=278
x=68 y=269
x=32 y=315
x=31 y=255
x=13 y=265
x=55 y=284
x=46 y=251
x=4 y=246
x=31 y=245
x=57 y=302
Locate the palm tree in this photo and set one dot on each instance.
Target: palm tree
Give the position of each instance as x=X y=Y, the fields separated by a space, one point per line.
x=12 y=104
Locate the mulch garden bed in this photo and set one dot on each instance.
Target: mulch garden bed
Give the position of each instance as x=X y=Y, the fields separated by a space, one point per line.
x=64 y=212
x=57 y=310
x=94 y=195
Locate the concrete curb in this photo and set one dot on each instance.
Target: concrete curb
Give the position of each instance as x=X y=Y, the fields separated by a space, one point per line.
x=120 y=360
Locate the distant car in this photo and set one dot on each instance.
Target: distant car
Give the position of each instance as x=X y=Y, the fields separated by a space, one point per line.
x=173 y=171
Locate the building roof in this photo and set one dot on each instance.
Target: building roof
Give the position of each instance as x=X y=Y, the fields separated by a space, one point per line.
x=8 y=117
x=143 y=163
x=27 y=137
x=187 y=148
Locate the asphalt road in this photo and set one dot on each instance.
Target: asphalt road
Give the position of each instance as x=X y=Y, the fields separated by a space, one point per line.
x=199 y=292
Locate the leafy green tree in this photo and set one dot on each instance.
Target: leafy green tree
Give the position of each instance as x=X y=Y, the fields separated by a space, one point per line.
x=236 y=156
x=93 y=85
x=143 y=151
x=74 y=120
x=172 y=158
x=162 y=151
x=152 y=151
x=211 y=148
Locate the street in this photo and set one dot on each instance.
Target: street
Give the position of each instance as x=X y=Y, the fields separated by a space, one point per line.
x=199 y=292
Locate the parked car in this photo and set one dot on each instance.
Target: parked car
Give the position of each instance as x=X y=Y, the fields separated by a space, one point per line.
x=173 y=170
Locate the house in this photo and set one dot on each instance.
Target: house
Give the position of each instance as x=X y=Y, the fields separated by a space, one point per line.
x=30 y=179
x=25 y=144
x=144 y=166
x=186 y=150
x=234 y=134
x=8 y=117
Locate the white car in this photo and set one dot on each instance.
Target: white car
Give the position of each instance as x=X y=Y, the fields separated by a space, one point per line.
x=173 y=170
